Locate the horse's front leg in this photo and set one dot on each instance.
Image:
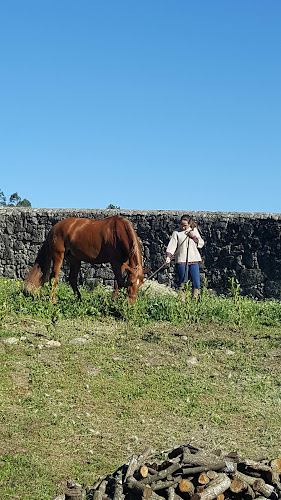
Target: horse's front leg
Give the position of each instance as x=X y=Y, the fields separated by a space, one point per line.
x=119 y=280
x=75 y=265
x=115 y=293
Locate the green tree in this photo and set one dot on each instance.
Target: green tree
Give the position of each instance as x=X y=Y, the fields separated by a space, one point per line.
x=24 y=203
x=3 y=200
x=14 y=201
x=113 y=206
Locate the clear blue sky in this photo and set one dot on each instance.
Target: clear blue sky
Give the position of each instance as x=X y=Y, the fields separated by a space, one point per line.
x=150 y=104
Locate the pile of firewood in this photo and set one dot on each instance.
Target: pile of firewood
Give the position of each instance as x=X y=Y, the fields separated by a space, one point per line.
x=187 y=472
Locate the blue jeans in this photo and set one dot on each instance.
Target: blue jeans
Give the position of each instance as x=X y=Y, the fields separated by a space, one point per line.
x=190 y=272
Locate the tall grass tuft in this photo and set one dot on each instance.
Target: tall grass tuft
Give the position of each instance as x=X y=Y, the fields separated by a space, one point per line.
x=159 y=304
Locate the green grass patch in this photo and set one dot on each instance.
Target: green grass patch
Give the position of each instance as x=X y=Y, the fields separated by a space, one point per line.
x=85 y=385
x=98 y=304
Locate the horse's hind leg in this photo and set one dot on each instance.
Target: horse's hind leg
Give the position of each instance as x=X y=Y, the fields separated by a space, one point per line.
x=57 y=258
x=75 y=265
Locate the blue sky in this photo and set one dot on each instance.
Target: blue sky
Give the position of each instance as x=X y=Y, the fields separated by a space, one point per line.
x=152 y=104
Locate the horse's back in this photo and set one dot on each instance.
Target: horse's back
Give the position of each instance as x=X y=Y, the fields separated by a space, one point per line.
x=66 y=228
x=72 y=223
x=89 y=239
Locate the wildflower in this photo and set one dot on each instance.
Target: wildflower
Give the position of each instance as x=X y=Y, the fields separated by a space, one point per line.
x=5 y=282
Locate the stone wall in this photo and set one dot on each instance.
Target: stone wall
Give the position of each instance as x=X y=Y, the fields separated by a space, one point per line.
x=241 y=245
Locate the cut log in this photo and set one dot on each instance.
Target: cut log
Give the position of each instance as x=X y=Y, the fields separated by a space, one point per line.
x=171 y=493
x=215 y=488
x=250 y=492
x=259 y=466
x=208 y=461
x=234 y=457
x=276 y=464
x=262 y=498
x=201 y=458
x=138 y=488
x=186 y=486
x=203 y=478
x=199 y=489
x=136 y=461
x=220 y=496
x=100 y=492
x=203 y=468
x=259 y=469
x=151 y=470
x=237 y=485
x=162 y=474
x=154 y=496
x=180 y=450
x=161 y=485
x=73 y=494
x=267 y=490
x=97 y=495
x=132 y=466
x=146 y=493
x=212 y=474
x=118 y=487
x=143 y=471
x=245 y=478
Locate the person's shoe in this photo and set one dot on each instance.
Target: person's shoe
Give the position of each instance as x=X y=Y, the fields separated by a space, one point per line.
x=195 y=293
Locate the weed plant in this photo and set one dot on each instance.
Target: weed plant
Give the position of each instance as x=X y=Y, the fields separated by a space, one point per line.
x=98 y=304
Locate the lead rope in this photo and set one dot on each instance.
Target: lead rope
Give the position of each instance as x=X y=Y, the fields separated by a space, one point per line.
x=161 y=267
x=186 y=263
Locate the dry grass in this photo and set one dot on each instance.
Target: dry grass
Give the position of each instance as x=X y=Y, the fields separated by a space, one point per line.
x=153 y=288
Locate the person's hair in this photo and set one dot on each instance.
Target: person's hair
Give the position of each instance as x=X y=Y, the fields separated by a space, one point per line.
x=189 y=220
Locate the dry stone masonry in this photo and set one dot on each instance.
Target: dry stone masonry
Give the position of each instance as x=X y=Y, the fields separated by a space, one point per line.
x=245 y=246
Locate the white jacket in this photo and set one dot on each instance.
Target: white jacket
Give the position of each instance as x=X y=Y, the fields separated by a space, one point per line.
x=180 y=244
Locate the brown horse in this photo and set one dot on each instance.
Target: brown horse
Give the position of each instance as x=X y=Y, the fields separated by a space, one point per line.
x=95 y=241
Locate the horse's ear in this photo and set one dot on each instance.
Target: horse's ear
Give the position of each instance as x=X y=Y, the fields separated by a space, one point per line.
x=146 y=271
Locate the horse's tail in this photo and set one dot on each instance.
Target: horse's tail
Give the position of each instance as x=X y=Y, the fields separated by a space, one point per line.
x=40 y=272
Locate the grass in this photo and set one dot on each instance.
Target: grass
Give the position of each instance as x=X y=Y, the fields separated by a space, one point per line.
x=86 y=385
x=150 y=306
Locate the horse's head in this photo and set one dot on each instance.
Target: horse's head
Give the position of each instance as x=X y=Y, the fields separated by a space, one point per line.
x=134 y=281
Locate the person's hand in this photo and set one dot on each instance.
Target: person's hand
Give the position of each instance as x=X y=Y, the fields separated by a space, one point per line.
x=168 y=260
x=191 y=234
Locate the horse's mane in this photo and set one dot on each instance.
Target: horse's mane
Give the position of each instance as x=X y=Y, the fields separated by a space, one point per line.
x=126 y=233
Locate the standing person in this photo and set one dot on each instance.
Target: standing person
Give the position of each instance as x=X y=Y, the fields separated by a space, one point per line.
x=184 y=244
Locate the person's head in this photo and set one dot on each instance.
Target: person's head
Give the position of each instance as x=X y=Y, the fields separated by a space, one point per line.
x=186 y=222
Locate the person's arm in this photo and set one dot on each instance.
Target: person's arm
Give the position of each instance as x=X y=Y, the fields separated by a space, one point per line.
x=193 y=236
x=168 y=258
x=197 y=238
x=172 y=246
